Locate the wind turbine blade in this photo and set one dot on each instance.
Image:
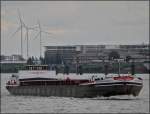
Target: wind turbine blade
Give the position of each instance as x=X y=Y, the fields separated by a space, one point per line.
x=21 y=22
x=41 y=31
x=26 y=36
x=32 y=27
x=19 y=13
x=36 y=36
x=19 y=16
x=16 y=31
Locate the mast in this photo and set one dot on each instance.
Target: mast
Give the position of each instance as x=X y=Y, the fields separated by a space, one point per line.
x=77 y=64
x=132 y=67
x=118 y=67
x=105 y=68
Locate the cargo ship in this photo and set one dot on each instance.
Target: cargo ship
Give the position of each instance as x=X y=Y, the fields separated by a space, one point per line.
x=37 y=80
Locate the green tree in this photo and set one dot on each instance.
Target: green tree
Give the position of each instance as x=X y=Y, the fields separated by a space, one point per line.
x=33 y=59
x=66 y=70
x=30 y=61
x=128 y=58
x=42 y=60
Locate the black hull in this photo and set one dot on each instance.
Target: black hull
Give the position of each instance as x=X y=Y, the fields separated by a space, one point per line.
x=76 y=90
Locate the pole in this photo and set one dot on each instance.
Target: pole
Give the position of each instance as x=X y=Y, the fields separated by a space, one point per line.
x=40 y=39
x=27 y=44
x=77 y=64
x=118 y=67
x=132 y=67
x=40 y=45
x=21 y=43
x=105 y=69
x=21 y=33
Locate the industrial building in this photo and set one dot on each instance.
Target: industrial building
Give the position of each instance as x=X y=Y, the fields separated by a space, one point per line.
x=90 y=53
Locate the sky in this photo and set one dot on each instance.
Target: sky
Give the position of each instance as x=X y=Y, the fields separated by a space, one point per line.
x=73 y=23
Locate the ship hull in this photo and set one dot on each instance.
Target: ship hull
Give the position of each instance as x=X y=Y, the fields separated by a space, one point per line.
x=93 y=90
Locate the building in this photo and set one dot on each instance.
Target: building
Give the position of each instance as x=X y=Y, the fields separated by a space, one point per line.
x=89 y=53
x=11 y=63
x=11 y=58
x=60 y=54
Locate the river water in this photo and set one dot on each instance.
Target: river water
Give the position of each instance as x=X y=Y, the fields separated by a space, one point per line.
x=113 y=104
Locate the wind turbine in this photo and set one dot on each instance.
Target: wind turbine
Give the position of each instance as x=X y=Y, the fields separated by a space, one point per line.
x=21 y=30
x=23 y=25
x=27 y=35
x=40 y=33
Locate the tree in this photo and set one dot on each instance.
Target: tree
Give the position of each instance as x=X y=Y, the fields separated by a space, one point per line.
x=42 y=60
x=128 y=58
x=56 y=69
x=33 y=59
x=114 y=55
x=29 y=61
x=66 y=70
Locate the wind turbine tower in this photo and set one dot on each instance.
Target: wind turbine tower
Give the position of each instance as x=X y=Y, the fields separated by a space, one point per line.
x=21 y=33
x=40 y=38
x=40 y=33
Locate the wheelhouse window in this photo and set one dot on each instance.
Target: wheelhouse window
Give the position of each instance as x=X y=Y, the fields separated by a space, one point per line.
x=39 y=67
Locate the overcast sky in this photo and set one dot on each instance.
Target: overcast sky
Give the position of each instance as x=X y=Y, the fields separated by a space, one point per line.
x=74 y=23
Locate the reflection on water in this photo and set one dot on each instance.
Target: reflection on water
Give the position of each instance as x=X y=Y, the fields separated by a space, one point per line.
x=113 y=104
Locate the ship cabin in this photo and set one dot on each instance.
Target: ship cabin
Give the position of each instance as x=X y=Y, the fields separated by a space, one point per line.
x=42 y=81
